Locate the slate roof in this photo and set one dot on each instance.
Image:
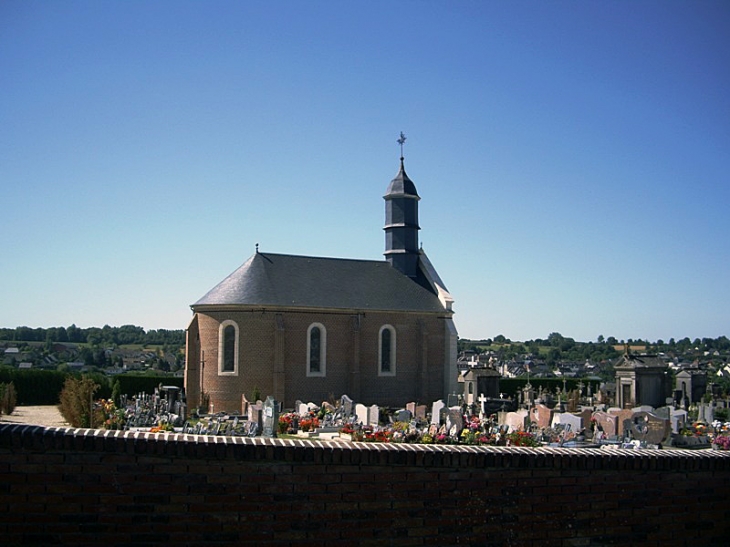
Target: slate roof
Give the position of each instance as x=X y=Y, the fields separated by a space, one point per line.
x=401 y=184
x=268 y=279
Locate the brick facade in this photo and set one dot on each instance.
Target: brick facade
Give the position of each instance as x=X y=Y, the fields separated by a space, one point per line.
x=93 y=487
x=273 y=355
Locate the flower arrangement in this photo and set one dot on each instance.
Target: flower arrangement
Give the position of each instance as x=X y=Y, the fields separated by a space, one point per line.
x=722 y=442
x=108 y=415
x=286 y=421
x=521 y=438
x=309 y=423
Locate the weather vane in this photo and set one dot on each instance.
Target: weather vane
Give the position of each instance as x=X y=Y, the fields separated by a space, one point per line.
x=401 y=141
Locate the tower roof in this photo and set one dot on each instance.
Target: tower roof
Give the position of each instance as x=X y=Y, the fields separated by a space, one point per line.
x=402 y=185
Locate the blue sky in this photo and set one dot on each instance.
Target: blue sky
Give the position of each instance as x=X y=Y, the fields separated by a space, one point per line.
x=572 y=158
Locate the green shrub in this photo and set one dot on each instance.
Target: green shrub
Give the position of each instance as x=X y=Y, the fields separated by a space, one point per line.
x=77 y=401
x=8 y=398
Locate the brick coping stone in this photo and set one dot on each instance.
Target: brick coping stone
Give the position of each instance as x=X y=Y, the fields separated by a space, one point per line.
x=23 y=437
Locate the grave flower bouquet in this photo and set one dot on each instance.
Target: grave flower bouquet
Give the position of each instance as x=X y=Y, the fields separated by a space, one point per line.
x=521 y=438
x=722 y=442
x=286 y=420
x=309 y=422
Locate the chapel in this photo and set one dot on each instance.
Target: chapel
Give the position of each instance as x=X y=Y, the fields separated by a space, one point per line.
x=314 y=328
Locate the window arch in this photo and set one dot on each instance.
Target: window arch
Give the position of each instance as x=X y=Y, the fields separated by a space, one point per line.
x=386 y=351
x=228 y=348
x=316 y=350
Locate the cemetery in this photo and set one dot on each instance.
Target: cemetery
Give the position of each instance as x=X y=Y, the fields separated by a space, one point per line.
x=540 y=419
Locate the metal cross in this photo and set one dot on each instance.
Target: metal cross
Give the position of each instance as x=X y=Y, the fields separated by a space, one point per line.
x=401 y=141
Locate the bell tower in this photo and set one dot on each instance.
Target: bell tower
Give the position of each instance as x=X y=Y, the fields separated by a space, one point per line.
x=401 y=221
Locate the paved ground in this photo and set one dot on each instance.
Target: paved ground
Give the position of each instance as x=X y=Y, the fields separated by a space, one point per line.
x=48 y=416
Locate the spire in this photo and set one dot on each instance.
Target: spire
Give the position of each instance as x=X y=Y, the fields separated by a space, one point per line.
x=401 y=221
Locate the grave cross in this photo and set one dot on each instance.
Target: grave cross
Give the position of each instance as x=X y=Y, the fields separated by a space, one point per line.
x=482 y=400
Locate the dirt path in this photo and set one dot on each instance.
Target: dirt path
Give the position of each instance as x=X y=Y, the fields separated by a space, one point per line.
x=48 y=416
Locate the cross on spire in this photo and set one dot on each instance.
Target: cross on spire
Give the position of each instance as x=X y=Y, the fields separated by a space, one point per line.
x=401 y=141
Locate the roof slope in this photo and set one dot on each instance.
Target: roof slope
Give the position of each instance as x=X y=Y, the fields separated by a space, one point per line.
x=268 y=279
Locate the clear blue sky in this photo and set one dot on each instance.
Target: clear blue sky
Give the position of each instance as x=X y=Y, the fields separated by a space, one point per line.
x=573 y=158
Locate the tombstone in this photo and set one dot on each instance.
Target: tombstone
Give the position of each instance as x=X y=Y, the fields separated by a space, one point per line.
x=679 y=419
x=606 y=422
x=568 y=419
x=361 y=411
x=403 y=415
x=420 y=412
x=516 y=421
x=586 y=414
x=347 y=406
x=705 y=413
x=621 y=417
x=256 y=414
x=302 y=409
x=411 y=407
x=648 y=427
x=271 y=417
x=374 y=415
x=454 y=419
x=436 y=409
x=541 y=415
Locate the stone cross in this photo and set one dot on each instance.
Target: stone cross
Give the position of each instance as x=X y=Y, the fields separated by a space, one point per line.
x=482 y=401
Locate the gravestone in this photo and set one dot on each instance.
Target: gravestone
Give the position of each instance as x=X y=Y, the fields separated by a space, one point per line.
x=347 y=406
x=454 y=419
x=679 y=419
x=403 y=415
x=361 y=411
x=586 y=414
x=436 y=409
x=420 y=412
x=271 y=417
x=411 y=407
x=374 y=415
x=541 y=415
x=648 y=427
x=607 y=422
x=256 y=414
x=568 y=419
x=302 y=409
x=516 y=421
x=621 y=416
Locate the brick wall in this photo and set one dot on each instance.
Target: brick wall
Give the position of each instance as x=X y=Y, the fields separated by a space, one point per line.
x=94 y=487
x=352 y=357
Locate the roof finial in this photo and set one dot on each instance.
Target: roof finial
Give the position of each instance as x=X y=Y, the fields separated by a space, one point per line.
x=257 y=248
x=401 y=141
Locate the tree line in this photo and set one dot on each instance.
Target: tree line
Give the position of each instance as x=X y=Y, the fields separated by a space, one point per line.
x=104 y=336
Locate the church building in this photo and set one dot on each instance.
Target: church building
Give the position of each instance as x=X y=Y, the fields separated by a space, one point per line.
x=312 y=329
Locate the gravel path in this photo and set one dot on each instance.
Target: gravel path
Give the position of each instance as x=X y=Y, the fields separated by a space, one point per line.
x=48 y=416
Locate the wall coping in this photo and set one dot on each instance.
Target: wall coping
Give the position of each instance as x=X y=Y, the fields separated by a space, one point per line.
x=33 y=438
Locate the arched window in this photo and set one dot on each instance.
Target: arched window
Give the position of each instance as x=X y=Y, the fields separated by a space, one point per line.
x=316 y=350
x=386 y=351
x=228 y=348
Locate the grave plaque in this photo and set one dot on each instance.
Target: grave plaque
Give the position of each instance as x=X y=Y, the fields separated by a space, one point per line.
x=271 y=416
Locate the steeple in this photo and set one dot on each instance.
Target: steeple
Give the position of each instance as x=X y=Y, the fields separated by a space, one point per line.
x=401 y=221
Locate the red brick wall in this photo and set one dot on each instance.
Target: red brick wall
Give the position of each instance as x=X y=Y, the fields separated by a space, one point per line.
x=420 y=351
x=89 y=487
